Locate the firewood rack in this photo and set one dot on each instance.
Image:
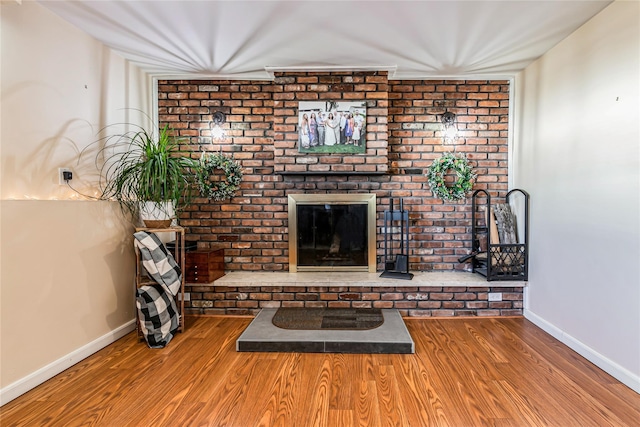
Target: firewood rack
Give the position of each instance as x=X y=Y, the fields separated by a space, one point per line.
x=509 y=261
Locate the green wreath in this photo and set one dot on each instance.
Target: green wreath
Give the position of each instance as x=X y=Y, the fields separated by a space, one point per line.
x=223 y=189
x=464 y=173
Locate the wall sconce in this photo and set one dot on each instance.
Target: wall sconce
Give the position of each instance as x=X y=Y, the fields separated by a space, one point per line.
x=449 y=127
x=218 y=118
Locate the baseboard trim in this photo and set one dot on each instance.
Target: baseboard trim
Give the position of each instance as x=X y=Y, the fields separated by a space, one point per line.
x=45 y=373
x=620 y=373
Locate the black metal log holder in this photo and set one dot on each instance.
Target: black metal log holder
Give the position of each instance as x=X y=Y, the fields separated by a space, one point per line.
x=396 y=257
x=494 y=260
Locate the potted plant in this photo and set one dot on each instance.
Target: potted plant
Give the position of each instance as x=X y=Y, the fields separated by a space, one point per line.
x=147 y=175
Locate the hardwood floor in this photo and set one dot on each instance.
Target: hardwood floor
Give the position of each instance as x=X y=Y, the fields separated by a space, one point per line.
x=465 y=372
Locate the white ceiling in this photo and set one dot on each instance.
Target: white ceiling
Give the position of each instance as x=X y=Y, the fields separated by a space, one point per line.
x=250 y=39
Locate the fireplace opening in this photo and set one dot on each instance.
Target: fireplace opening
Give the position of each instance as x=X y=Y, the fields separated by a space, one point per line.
x=332 y=235
x=332 y=232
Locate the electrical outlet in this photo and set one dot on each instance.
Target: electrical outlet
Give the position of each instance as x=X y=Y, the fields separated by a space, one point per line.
x=61 y=175
x=495 y=296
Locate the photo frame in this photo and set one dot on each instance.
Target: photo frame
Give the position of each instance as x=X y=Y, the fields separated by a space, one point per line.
x=332 y=127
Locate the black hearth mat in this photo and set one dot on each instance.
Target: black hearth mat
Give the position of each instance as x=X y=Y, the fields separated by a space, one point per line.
x=328 y=318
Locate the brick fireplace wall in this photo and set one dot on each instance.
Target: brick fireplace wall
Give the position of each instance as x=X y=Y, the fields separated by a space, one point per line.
x=405 y=138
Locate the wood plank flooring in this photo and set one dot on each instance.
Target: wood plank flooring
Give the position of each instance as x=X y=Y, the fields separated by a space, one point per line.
x=465 y=372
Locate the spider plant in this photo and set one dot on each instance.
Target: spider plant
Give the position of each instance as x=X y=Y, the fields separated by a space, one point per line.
x=142 y=168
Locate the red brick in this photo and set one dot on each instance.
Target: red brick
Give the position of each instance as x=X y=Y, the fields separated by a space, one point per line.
x=339 y=304
x=361 y=304
x=260 y=296
x=382 y=304
x=298 y=304
x=315 y=304
x=405 y=304
x=392 y=296
x=443 y=313
x=465 y=296
x=429 y=304
x=350 y=296
x=441 y=296
x=420 y=313
x=452 y=305
x=480 y=305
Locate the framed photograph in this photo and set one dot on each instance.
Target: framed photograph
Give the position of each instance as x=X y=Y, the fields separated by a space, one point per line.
x=332 y=127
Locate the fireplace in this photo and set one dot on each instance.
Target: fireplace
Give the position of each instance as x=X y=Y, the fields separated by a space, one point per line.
x=332 y=232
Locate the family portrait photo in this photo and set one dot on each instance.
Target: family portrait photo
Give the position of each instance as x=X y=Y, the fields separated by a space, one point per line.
x=332 y=127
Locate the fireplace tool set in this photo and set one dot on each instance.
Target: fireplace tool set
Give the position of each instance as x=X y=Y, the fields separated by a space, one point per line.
x=396 y=243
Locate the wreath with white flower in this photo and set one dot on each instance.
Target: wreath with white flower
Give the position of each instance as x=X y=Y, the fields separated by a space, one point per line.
x=223 y=188
x=464 y=177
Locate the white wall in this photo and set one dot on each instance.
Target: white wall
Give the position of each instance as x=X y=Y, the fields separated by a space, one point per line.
x=576 y=150
x=66 y=264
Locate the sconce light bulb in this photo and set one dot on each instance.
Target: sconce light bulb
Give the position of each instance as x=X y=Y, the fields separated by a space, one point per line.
x=217 y=132
x=451 y=132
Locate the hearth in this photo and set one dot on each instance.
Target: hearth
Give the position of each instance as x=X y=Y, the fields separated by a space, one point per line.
x=332 y=232
x=391 y=337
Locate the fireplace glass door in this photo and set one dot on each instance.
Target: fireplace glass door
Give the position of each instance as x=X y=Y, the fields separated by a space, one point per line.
x=332 y=235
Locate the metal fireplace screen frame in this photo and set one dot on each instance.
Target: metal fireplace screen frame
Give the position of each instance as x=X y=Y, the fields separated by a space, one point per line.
x=333 y=199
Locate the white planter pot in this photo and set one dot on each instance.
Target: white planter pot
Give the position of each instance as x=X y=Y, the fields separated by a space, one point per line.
x=157 y=215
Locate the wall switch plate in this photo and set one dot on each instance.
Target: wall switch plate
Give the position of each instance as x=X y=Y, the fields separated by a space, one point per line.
x=495 y=296
x=61 y=172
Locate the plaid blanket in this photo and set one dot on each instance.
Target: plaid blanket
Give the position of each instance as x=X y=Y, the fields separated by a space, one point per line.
x=158 y=261
x=157 y=310
x=158 y=315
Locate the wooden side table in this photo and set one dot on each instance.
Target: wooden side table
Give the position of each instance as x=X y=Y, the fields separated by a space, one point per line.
x=179 y=255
